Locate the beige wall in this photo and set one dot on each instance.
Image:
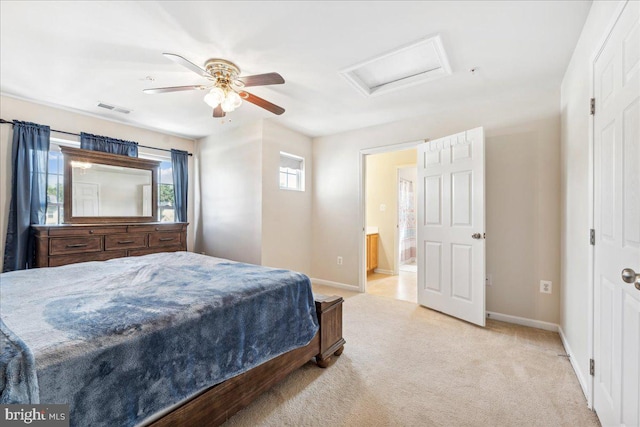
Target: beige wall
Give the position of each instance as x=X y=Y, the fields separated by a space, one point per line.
x=575 y=159
x=15 y=109
x=523 y=200
x=231 y=194
x=245 y=216
x=286 y=215
x=382 y=189
x=522 y=173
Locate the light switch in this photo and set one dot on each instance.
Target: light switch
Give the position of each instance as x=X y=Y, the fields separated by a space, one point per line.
x=383 y=208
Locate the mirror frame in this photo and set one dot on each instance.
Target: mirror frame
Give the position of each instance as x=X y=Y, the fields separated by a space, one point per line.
x=78 y=155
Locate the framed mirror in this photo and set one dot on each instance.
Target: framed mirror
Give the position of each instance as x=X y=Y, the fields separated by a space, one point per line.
x=105 y=188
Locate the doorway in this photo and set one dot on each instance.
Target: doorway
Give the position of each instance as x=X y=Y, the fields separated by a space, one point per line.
x=407 y=249
x=450 y=228
x=389 y=217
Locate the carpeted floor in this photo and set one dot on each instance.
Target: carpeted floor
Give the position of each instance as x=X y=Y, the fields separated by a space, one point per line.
x=404 y=365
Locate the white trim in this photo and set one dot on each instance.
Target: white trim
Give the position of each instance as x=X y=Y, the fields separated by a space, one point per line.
x=591 y=199
x=584 y=384
x=362 y=277
x=392 y=147
x=383 y=271
x=362 y=241
x=547 y=326
x=334 y=284
x=64 y=142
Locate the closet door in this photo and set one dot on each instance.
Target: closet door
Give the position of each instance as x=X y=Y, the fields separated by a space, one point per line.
x=616 y=133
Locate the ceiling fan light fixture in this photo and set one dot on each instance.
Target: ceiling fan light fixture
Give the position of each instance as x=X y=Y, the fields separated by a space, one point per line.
x=226 y=88
x=231 y=102
x=215 y=97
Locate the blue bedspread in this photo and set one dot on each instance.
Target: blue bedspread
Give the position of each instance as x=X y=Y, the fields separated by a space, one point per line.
x=121 y=340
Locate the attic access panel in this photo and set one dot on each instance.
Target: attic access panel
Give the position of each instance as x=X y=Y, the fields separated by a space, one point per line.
x=409 y=65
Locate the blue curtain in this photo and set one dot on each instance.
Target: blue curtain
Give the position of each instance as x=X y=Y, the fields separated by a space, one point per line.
x=30 y=157
x=108 y=145
x=179 y=162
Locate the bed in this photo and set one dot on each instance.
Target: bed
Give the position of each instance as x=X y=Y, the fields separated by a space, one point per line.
x=161 y=339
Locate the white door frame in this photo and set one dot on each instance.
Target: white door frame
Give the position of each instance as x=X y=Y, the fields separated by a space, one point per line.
x=362 y=167
x=591 y=188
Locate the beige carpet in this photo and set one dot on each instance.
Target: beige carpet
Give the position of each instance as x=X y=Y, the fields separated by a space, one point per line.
x=404 y=365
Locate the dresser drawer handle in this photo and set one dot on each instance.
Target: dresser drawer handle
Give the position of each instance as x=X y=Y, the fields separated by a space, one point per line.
x=78 y=245
x=124 y=242
x=166 y=239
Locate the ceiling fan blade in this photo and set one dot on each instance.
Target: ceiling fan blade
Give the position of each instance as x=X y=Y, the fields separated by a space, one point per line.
x=262 y=79
x=186 y=63
x=256 y=100
x=217 y=112
x=173 y=89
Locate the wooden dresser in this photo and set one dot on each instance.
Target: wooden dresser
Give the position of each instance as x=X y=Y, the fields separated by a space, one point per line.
x=67 y=244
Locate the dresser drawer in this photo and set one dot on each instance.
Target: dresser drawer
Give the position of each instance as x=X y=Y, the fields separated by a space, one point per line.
x=138 y=252
x=86 y=230
x=165 y=226
x=75 y=245
x=164 y=239
x=56 y=261
x=125 y=241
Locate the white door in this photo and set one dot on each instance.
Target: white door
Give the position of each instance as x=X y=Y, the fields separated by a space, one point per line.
x=85 y=199
x=617 y=223
x=451 y=246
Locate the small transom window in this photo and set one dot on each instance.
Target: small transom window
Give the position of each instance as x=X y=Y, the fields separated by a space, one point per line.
x=291 y=172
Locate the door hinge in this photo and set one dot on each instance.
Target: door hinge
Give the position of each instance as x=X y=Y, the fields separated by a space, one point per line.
x=592 y=237
x=593 y=106
x=592 y=367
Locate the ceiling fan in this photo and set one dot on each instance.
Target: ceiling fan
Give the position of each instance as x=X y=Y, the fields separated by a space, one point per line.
x=226 y=90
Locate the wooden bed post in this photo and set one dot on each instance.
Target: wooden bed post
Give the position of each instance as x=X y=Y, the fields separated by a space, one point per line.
x=329 y=310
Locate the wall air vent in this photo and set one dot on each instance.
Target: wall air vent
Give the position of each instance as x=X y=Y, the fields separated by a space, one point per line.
x=114 y=108
x=409 y=65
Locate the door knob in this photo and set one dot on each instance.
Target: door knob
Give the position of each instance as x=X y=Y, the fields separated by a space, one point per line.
x=630 y=276
x=476 y=236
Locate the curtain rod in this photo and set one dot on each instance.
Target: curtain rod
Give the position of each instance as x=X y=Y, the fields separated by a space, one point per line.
x=11 y=122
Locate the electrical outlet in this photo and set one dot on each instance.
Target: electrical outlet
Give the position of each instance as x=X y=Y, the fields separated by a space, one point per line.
x=488 y=280
x=339 y=260
x=546 y=286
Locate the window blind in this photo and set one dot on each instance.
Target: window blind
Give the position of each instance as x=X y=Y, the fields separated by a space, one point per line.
x=290 y=162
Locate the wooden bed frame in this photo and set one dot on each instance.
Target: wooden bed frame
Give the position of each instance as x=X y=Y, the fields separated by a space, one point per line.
x=217 y=404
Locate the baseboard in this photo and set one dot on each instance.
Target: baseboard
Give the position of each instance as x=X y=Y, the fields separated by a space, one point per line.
x=334 y=284
x=576 y=368
x=547 y=326
x=382 y=271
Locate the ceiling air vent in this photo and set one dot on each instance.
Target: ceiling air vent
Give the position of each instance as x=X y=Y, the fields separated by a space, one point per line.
x=114 y=108
x=409 y=65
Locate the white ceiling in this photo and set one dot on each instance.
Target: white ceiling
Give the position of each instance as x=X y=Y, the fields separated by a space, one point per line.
x=76 y=54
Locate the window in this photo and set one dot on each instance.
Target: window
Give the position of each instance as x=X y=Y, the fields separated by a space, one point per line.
x=291 y=172
x=55 y=188
x=166 y=205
